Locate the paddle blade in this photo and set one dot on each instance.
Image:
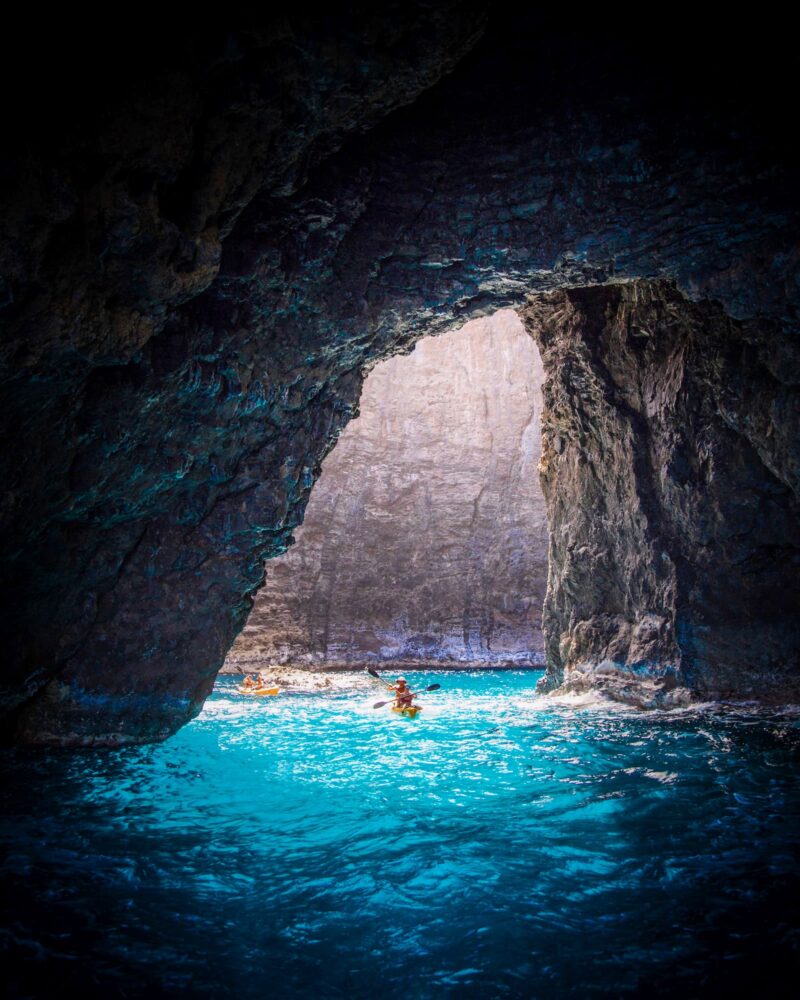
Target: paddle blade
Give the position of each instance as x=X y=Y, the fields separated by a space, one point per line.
x=433 y=687
x=373 y=672
x=380 y=704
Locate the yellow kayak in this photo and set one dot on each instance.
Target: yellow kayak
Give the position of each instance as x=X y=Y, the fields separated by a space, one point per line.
x=409 y=712
x=244 y=690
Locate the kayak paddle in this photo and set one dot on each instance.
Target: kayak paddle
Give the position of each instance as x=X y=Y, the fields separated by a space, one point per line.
x=380 y=704
x=374 y=673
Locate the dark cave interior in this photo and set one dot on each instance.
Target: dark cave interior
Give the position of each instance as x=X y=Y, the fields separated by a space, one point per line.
x=211 y=234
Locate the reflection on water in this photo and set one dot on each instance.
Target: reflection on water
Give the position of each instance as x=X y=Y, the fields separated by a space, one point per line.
x=502 y=845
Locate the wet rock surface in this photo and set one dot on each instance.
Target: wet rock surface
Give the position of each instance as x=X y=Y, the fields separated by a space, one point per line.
x=199 y=268
x=425 y=539
x=666 y=465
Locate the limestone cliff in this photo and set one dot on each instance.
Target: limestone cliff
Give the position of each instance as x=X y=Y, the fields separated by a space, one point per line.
x=425 y=538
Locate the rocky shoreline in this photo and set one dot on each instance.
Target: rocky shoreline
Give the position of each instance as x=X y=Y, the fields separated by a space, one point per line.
x=337 y=677
x=242 y=667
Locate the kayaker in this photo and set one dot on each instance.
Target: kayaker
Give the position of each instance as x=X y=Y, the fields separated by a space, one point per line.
x=403 y=695
x=249 y=681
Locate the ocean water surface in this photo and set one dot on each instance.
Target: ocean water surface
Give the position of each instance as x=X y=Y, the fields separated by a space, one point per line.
x=501 y=845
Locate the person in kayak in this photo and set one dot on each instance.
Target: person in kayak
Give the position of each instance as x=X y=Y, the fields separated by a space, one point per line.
x=403 y=695
x=256 y=681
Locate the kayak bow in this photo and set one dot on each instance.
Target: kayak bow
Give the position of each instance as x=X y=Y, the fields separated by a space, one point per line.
x=408 y=711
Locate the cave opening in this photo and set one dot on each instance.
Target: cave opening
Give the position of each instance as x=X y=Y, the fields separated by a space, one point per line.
x=662 y=461
x=424 y=541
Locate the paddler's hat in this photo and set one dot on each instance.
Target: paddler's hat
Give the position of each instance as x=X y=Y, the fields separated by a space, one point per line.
x=400 y=680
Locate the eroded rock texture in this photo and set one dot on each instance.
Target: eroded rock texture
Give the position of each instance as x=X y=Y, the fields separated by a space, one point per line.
x=205 y=247
x=669 y=464
x=425 y=539
x=133 y=438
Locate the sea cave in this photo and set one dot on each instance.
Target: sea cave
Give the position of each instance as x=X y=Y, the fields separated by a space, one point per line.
x=440 y=340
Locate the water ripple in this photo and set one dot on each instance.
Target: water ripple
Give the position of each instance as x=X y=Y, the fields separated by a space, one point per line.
x=502 y=845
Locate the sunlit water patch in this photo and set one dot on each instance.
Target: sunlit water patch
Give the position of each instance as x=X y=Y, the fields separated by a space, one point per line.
x=501 y=845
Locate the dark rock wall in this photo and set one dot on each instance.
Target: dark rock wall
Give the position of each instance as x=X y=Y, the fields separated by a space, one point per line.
x=124 y=432
x=669 y=466
x=425 y=538
x=195 y=280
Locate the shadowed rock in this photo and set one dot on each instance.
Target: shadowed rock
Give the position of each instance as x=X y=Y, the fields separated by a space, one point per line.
x=669 y=466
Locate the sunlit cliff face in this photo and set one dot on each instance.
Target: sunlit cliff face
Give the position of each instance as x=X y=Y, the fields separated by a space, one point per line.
x=425 y=538
x=200 y=267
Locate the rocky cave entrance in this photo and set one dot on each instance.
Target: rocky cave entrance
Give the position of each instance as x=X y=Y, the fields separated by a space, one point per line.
x=189 y=317
x=673 y=528
x=425 y=538
x=668 y=472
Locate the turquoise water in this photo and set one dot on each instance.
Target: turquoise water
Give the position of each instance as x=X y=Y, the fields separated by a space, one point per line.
x=502 y=845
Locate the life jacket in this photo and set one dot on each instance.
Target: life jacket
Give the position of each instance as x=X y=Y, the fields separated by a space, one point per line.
x=403 y=696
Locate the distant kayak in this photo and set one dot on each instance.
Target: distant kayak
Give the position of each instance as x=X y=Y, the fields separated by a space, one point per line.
x=409 y=712
x=260 y=691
